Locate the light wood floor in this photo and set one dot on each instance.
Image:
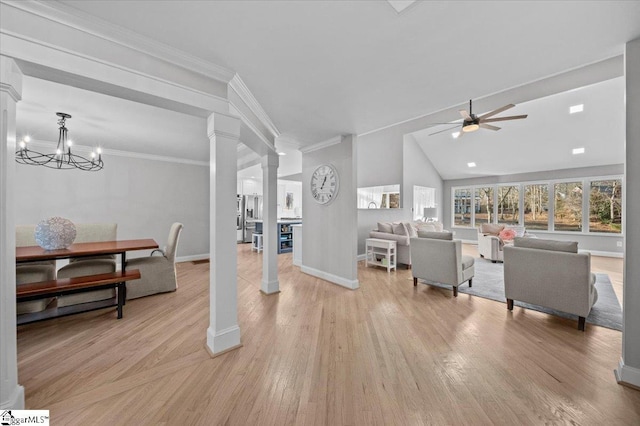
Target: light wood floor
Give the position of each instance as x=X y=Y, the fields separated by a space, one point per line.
x=317 y=353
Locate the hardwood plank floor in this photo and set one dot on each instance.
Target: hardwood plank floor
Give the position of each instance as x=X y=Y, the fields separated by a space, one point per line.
x=317 y=353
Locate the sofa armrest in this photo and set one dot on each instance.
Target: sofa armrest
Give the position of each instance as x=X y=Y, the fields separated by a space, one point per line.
x=401 y=240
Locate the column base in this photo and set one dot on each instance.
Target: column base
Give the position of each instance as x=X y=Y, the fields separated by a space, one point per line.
x=223 y=340
x=627 y=376
x=15 y=401
x=270 y=287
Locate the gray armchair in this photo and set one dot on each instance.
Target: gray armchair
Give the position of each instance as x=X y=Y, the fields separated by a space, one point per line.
x=158 y=272
x=551 y=274
x=438 y=258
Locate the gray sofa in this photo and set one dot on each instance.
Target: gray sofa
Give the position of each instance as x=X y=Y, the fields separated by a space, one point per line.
x=401 y=233
x=551 y=274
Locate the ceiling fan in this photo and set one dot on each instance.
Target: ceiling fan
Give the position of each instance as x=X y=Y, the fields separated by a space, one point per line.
x=472 y=122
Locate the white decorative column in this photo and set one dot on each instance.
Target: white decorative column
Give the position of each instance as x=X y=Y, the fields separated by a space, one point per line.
x=628 y=371
x=223 y=333
x=11 y=394
x=270 y=284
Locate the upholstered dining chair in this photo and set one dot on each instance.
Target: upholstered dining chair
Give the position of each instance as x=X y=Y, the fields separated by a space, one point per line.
x=33 y=271
x=158 y=272
x=94 y=232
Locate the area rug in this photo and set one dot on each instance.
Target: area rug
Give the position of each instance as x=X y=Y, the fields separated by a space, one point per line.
x=488 y=283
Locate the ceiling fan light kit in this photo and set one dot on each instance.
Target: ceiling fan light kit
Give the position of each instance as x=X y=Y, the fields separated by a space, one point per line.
x=471 y=122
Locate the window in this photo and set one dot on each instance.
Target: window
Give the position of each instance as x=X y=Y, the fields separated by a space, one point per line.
x=462 y=207
x=568 y=206
x=605 y=206
x=508 y=205
x=484 y=205
x=536 y=207
x=423 y=196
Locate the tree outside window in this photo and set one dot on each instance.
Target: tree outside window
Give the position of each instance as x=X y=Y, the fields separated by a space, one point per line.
x=484 y=205
x=605 y=206
x=508 y=205
x=536 y=207
x=568 y=206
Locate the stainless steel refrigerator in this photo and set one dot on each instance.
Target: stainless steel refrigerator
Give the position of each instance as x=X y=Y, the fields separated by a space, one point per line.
x=251 y=211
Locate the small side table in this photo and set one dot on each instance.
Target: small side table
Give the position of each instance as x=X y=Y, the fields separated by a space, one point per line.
x=381 y=253
x=256 y=243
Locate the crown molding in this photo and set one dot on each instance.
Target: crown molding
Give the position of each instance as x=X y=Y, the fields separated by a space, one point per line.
x=235 y=110
x=247 y=97
x=76 y=19
x=120 y=153
x=11 y=91
x=320 y=145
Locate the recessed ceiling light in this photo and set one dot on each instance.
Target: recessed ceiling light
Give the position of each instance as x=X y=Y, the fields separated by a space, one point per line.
x=282 y=153
x=577 y=151
x=471 y=164
x=576 y=108
x=455 y=134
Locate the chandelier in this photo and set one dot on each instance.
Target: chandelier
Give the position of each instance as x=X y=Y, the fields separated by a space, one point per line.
x=63 y=158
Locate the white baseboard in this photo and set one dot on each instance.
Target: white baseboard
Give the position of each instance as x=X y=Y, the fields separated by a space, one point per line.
x=606 y=253
x=192 y=258
x=361 y=257
x=270 y=287
x=15 y=401
x=627 y=375
x=341 y=281
x=223 y=340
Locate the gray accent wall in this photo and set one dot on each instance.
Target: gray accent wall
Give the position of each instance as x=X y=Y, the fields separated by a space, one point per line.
x=631 y=308
x=329 y=237
x=389 y=157
x=144 y=197
x=600 y=243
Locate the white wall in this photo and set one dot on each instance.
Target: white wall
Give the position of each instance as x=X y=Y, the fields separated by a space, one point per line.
x=389 y=157
x=144 y=197
x=585 y=242
x=329 y=243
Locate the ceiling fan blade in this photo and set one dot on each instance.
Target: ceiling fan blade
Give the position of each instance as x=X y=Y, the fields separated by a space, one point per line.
x=465 y=114
x=489 y=126
x=512 y=117
x=445 y=130
x=496 y=111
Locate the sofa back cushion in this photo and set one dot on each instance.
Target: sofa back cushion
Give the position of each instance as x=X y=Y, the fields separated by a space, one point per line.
x=399 y=228
x=385 y=227
x=541 y=244
x=490 y=228
x=435 y=235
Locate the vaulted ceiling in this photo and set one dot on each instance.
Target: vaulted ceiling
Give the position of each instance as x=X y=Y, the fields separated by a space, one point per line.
x=322 y=68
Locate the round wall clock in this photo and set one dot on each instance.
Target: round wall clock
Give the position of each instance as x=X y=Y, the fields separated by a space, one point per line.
x=324 y=184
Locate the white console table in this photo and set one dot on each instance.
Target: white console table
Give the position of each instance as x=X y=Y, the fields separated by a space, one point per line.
x=381 y=253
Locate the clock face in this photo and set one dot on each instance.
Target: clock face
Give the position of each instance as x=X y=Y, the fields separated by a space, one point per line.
x=324 y=184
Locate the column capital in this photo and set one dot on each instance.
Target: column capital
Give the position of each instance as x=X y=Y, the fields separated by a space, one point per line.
x=223 y=125
x=10 y=78
x=271 y=159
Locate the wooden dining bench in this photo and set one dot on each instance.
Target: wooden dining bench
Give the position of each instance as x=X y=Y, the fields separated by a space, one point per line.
x=62 y=286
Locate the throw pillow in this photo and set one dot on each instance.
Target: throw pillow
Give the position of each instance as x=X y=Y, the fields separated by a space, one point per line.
x=411 y=231
x=538 y=243
x=507 y=234
x=438 y=226
x=519 y=230
x=399 y=229
x=385 y=227
x=435 y=235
